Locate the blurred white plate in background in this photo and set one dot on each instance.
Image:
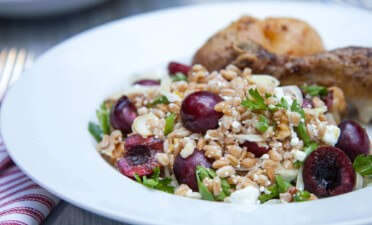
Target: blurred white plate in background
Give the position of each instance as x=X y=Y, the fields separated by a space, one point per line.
x=38 y=8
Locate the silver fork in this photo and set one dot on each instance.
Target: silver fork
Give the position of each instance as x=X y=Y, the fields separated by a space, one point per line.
x=12 y=63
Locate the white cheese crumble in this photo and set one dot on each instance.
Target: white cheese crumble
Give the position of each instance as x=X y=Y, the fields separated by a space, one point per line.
x=246 y=196
x=331 y=135
x=299 y=155
x=235 y=124
x=192 y=194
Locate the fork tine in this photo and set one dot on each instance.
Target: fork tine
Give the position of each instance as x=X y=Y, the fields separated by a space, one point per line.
x=29 y=59
x=19 y=65
x=3 y=56
x=7 y=72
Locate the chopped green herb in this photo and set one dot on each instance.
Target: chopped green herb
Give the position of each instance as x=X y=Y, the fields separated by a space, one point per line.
x=308 y=149
x=363 y=164
x=282 y=184
x=283 y=104
x=103 y=115
x=159 y=100
x=179 y=77
x=267 y=95
x=274 y=193
x=154 y=182
x=315 y=90
x=302 y=133
x=257 y=103
x=201 y=174
x=169 y=123
x=298 y=164
x=95 y=131
x=138 y=178
x=263 y=124
x=295 y=107
x=301 y=128
x=301 y=196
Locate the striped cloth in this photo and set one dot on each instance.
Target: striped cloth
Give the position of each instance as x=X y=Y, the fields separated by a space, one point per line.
x=21 y=200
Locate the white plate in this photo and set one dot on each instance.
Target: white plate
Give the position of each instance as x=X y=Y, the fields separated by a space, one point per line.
x=45 y=115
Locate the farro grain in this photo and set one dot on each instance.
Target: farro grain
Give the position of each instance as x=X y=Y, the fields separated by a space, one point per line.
x=225 y=171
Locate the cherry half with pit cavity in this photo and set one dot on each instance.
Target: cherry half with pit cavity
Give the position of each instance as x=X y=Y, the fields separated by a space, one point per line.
x=139 y=157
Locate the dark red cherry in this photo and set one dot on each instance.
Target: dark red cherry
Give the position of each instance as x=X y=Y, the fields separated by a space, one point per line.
x=184 y=168
x=139 y=156
x=353 y=139
x=197 y=111
x=255 y=149
x=174 y=67
x=123 y=114
x=147 y=82
x=328 y=172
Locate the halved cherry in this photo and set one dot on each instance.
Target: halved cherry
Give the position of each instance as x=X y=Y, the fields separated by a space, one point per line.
x=139 y=157
x=328 y=171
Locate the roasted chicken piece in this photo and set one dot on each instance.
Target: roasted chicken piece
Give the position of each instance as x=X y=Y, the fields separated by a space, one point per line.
x=279 y=35
x=348 y=68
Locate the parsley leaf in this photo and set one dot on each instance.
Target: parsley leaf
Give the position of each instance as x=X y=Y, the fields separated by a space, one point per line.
x=203 y=190
x=179 y=77
x=263 y=124
x=274 y=193
x=169 y=123
x=363 y=164
x=257 y=103
x=295 y=107
x=103 y=115
x=201 y=174
x=95 y=130
x=282 y=184
x=159 y=100
x=298 y=164
x=301 y=196
x=155 y=182
x=315 y=90
x=301 y=128
x=98 y=130
x=283 y=104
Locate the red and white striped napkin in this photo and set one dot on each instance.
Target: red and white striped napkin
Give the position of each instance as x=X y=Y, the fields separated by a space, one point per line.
x=21 y=200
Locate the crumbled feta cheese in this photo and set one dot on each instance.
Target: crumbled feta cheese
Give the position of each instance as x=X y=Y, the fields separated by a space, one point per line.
x=265 y=156
x=235 y=124
x=331 y=135
x=192 y=194
x=294 y=138
x=246 y=196
x=299 y=155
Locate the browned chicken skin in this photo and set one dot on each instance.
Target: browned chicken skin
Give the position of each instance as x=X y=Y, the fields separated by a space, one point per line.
x=278 y=35
x=348 y=68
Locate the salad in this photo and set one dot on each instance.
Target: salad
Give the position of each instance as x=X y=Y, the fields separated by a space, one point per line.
x=233 y=136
